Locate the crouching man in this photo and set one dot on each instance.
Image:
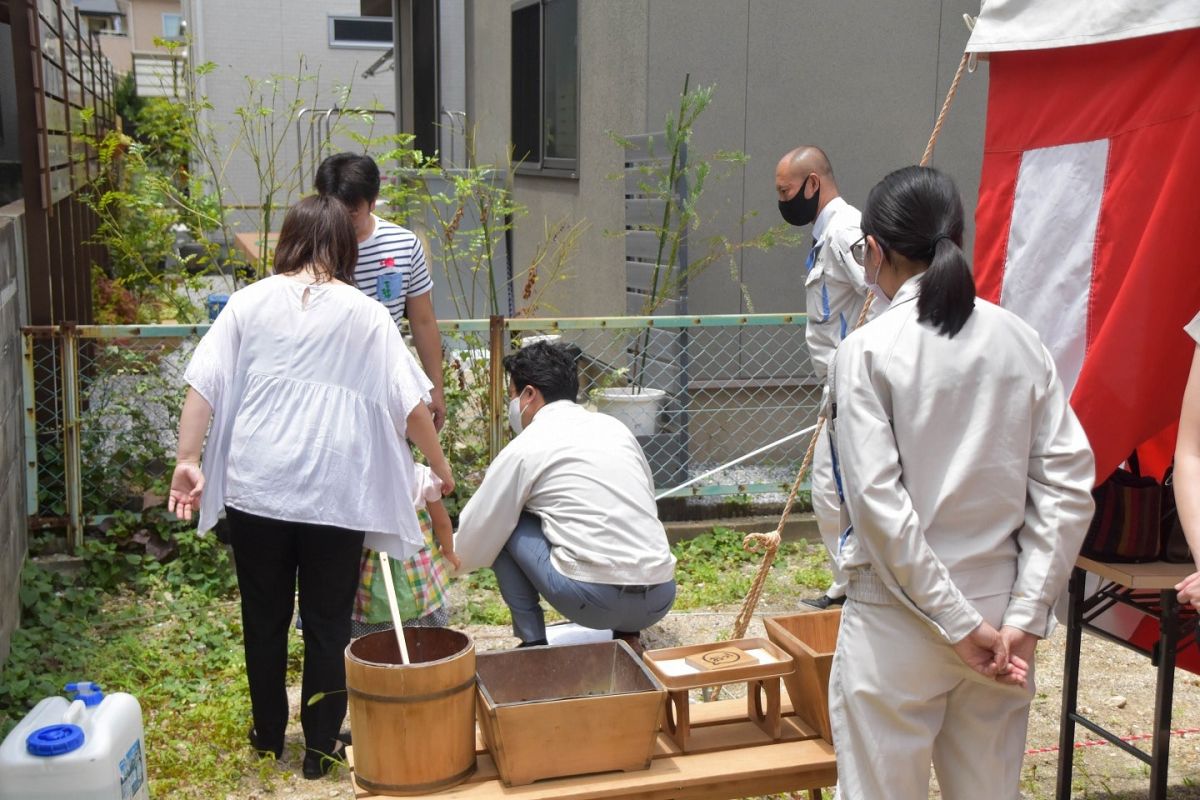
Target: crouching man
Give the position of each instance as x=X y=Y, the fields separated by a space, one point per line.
x=566 y=512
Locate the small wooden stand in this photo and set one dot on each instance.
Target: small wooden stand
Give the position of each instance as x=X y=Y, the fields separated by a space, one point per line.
x=733 y=665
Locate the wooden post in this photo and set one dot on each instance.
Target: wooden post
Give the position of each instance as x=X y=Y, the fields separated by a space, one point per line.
x=497 y=386
x=31 y=138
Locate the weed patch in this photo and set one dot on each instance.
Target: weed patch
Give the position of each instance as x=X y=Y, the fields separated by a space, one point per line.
x=168 y=632
x=154 y=613
x=713 y=570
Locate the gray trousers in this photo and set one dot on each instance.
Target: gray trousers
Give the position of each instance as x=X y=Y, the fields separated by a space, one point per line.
x=525 y=574
x=900 y=700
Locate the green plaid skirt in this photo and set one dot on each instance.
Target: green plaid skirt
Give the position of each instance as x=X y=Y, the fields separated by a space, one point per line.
x=421 y=581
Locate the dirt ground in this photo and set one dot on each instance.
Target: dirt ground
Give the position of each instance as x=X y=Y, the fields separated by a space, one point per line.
x=1117 y=691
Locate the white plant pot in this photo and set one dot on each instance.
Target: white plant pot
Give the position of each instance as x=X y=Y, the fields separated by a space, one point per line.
x=636 y=408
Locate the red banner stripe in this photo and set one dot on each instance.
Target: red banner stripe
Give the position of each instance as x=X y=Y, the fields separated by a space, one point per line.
x=1078 y=94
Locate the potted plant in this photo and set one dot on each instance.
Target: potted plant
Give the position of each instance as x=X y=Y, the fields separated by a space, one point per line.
x=665 y=179
x=677 y=181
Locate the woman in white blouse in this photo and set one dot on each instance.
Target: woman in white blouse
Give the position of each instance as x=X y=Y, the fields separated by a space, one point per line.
x=311 y=393
x=1187 y=471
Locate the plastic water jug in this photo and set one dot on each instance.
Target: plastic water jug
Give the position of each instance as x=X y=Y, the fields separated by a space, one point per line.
x=87 y=748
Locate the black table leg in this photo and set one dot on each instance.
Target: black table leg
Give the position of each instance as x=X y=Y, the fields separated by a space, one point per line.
x=1066 y=737
x=1168 y=641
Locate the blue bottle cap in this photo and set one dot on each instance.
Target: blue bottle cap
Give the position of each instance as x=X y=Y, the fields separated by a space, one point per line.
x=86 y=691
x=54 y=740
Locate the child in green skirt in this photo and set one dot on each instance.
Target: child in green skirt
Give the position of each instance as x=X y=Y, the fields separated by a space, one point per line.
x=421 y=581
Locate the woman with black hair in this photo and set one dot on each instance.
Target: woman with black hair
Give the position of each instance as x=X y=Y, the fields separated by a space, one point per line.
x=966 y=480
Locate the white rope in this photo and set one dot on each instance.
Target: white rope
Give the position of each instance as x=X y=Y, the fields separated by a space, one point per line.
x=735 y=462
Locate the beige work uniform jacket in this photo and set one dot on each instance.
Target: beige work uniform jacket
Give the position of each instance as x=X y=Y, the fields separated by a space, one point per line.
x=964 y=472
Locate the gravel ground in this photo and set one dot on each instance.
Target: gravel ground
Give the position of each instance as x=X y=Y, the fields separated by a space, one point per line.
x=1117 y=691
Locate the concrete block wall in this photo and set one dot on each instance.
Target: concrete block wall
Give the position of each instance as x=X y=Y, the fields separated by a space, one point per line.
x=13 y=542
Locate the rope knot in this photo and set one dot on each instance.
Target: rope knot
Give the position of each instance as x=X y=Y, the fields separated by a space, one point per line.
x=761 y=542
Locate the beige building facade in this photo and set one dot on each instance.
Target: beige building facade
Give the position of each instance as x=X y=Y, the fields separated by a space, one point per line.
x=135 y=29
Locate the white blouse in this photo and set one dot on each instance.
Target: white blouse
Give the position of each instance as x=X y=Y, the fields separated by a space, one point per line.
x=311 y=387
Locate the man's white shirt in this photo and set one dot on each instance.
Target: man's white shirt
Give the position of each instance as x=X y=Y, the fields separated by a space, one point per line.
x=584 y=474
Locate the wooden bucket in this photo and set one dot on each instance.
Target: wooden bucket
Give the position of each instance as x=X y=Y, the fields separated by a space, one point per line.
x=810 y=639
x=413 y=725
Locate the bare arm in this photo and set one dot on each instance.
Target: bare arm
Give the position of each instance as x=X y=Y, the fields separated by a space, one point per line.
x=193 y=424
x=421 y=432
x=428 y=341
x=187 y=482
x=443 y=531
x=1187 y=479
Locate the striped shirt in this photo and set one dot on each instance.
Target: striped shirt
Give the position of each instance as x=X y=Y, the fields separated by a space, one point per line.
x=390 y=241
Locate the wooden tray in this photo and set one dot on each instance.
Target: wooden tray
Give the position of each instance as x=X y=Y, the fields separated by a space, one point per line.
x=782 y=665
x=548 y=712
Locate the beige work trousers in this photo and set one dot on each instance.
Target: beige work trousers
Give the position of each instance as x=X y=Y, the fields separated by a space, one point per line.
x=900 y=699
x=827 y=508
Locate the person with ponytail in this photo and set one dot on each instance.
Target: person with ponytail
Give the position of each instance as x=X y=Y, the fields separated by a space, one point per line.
x=965 y=481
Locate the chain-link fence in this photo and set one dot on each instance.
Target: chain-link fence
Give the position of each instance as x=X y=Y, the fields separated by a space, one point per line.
x=131 y=393
x=105 y=405
x=698 y=391
x=44 y=432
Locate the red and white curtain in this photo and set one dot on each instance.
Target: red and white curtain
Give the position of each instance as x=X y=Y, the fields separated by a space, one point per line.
x=1088 y=221
x=1088 y=224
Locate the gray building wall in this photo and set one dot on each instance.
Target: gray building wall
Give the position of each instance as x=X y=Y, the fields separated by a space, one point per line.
x=13 y=543
x=267 y=38
x=452 y=81
x=613 y=41
x=862 y=79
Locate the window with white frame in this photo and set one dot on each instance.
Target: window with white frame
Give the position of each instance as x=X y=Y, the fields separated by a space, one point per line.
x=545 y=86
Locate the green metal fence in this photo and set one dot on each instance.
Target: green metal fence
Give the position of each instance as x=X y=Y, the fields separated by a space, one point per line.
x=103 y=402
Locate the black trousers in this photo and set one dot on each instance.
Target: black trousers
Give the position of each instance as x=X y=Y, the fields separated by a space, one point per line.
x=271 y=555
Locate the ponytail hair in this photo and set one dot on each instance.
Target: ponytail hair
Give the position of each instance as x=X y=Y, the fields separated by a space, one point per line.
x=917 y=212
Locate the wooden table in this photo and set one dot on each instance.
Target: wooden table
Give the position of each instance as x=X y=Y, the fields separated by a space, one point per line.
x=249 y=243
x=1149 y=588
x=728 y=757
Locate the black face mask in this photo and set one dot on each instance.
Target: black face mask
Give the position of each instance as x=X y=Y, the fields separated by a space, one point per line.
x=800 y=210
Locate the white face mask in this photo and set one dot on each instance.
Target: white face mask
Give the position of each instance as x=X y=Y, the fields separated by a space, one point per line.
x=514 y=414
x=881 y=299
